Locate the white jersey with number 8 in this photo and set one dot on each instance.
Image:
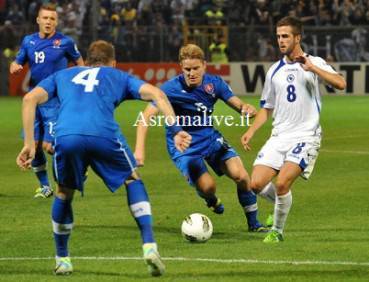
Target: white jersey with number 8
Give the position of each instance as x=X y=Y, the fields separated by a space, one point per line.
x=294 y=96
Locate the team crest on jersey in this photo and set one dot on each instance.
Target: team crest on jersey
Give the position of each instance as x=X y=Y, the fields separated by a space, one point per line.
x=209 y=88
x=290 y=78
x=56 y=43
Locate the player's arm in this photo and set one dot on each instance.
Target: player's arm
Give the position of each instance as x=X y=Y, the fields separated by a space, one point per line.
x=30 y=101
x=141 y=132
x=17 y=65
x=334 y=79
x=241 y=107
x=149 y=92
x=261 y=117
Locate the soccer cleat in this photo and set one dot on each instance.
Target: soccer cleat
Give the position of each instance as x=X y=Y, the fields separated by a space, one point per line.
x=43 y=192
x=273 y=237
x=259 y=229
x=269 y=221
x=153 y=260
x=63 y=266
x=218 y=208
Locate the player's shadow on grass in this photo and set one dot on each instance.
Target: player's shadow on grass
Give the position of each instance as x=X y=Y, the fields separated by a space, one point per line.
x=277 y=275
x=130 y=228
x=333 y=229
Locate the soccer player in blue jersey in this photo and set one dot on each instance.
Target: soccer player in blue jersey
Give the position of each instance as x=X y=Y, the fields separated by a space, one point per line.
x=86 y=134
x=193 y=95
x=46 y=52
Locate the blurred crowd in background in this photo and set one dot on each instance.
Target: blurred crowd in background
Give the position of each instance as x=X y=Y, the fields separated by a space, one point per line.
x=229 y=30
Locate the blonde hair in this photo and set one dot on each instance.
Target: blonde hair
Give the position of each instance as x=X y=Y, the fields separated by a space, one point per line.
x=191 y=51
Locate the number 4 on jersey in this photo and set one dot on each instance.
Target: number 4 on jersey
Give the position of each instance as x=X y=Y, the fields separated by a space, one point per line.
x=87 y=78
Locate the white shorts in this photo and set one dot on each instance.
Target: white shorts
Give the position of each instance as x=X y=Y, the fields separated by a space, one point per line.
x=302 y=151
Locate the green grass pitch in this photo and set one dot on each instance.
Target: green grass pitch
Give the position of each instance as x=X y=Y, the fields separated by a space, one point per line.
x=326 y=236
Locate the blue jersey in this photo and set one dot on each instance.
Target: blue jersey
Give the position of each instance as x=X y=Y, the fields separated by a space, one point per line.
x=194 y=107
x=46 y=56
x=88 y=97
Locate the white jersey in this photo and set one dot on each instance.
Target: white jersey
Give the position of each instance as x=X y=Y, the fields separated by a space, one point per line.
x=294 y=95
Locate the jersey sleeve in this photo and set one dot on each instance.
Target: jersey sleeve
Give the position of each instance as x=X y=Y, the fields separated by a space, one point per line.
x=131 y=91
x=225 y=91
x=21 y=57
x=49 y=85
x=72 y=50
x=322 y=64
x=267 y=100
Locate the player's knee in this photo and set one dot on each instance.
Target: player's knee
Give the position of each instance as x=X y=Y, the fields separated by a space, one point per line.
x=206 y=184
x=282 y=187
x=64 y=193
x=256 y=185
x=240 y=176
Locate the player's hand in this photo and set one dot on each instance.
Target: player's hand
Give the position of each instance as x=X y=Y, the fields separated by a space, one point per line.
x=182 y=140
x=25 y=157
x=245 y=140
x=249 y=110
x=305 y=62
x=140 y=157
x=15 y=68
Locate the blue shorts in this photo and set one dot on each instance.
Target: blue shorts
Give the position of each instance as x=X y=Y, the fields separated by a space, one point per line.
x=111 y=159
x=193 y=166
x=45 y=120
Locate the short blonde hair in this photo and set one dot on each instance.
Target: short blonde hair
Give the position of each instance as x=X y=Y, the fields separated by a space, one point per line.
x=191 y=51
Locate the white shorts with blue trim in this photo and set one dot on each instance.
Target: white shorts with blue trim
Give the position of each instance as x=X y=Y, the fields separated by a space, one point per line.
x=302 y=151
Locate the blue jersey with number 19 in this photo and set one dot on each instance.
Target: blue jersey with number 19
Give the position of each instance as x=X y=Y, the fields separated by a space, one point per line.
x=88 y=97
x=46 y=56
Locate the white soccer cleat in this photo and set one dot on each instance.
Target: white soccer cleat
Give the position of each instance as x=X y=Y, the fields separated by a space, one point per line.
x=63 y=266
x=153 y=260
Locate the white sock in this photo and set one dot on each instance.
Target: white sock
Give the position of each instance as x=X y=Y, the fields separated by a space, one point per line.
x=268 y=192
x=281 y=209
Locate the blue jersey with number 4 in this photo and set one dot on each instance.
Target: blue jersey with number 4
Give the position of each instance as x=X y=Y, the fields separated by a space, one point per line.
x=88 y=97
x=46 y=56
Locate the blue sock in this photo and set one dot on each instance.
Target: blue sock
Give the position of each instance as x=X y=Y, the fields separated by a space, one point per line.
x=62 y=219
x=140 y=208
x=39 y=167
x=247 y=200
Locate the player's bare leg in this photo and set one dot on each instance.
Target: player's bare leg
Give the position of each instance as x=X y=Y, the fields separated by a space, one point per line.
x=206 y=189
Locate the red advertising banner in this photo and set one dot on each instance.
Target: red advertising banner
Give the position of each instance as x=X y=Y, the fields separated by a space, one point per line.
x=244 y=78
x=154 y=73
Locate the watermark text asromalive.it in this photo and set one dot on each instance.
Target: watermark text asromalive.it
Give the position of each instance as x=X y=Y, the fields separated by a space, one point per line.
x=202 y=120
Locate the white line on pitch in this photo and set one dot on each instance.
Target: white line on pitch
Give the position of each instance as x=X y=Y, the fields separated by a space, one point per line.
x=343 y=137
x=228 y=261
x=345 y=152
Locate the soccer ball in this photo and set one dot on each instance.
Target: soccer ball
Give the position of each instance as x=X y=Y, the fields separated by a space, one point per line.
x=197 y=228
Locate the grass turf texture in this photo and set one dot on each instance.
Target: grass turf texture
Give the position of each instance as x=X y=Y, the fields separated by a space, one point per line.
x=328 y=221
